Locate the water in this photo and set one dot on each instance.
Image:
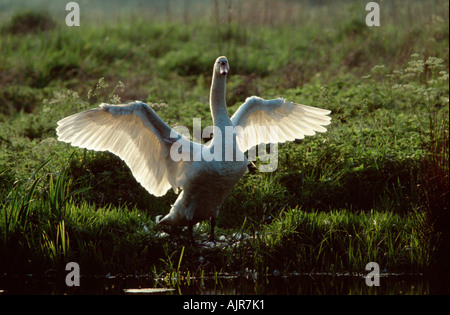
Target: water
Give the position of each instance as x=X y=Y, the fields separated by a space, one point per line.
x=306 y=284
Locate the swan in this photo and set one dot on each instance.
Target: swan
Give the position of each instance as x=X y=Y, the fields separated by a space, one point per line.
x=136 y=134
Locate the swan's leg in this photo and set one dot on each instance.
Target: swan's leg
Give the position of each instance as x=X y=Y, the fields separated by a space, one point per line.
x=213 y=225
x=191 y=233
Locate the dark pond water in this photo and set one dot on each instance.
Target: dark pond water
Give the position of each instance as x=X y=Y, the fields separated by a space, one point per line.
x=307 y=284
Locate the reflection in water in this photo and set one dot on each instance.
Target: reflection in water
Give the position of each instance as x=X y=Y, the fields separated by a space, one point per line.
x=272 y=285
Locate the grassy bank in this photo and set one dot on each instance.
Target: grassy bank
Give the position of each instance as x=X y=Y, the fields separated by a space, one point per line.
x=373 y=188
x=47 y=233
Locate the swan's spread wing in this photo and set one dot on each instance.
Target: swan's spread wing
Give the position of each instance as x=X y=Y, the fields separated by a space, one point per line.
x=135 y=133
x=289 y=121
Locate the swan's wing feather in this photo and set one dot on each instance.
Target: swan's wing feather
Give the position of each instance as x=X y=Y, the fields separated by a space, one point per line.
x=135 y=133
x=289 y=121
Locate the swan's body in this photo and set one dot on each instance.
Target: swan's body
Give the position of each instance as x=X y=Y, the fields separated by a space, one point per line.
x=140 y=137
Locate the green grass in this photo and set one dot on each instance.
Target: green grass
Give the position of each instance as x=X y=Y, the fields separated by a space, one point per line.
x=344 y=240
x=373 y=188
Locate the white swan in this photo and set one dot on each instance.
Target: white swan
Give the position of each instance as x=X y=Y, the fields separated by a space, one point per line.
x=144 y=141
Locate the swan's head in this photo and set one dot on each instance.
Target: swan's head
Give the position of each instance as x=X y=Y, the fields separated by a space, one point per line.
x=221 y=66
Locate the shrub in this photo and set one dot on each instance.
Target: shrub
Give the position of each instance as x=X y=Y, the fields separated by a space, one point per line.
x=30 y=22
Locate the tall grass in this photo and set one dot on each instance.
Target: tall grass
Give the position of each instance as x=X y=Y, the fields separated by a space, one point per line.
x=16 y=206
x=342 y=241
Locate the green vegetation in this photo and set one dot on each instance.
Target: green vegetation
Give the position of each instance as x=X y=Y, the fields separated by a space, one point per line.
x=373 y=188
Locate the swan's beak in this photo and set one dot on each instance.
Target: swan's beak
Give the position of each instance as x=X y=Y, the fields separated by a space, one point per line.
x=223 y=69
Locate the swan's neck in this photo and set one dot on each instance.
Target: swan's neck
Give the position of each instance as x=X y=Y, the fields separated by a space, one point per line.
x=217 y=101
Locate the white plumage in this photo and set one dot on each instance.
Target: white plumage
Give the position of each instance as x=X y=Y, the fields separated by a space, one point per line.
x=294 y=121
x=136 y=134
